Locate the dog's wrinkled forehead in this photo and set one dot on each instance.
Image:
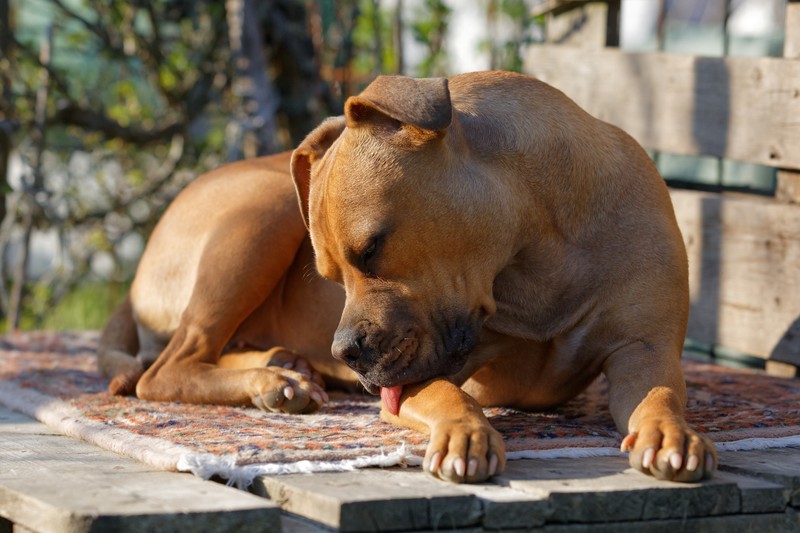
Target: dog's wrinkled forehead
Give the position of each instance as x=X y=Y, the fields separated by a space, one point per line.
x=340 y=177
x=351 y=196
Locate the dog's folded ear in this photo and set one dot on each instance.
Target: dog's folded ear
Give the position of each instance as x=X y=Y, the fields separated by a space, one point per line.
x=423 y=103
x=310 y=151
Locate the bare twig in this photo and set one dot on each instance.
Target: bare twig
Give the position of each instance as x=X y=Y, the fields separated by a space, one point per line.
x=20 y=274
x=399 y=29
x=75 y=115
x=108 y=41
x=55 y=77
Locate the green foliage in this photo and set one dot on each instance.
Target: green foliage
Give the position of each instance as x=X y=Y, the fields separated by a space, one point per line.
x=123 y=83
x=86 y=307
x=506 y=47
x=145 y=92
x=373 y=37
x=430 y=29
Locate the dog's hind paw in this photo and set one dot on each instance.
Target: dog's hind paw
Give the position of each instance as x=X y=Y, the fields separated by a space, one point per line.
x=288 y=391
x=290 y=360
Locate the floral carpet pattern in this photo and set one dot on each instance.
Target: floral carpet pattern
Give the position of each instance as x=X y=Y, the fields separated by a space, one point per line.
x=54 y=377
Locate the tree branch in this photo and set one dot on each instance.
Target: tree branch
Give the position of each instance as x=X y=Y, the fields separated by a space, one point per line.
x=55 y=76
x=96 y=29
x=72 y=114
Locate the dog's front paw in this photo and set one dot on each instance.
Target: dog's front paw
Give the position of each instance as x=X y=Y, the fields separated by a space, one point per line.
x=465 y=451
x=287 y=391
x=669 y=449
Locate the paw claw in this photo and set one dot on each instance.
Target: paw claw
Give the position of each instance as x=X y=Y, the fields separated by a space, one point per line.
x=668 y=449
x=435 y=463
x=628 y=442
x=286 y=391
x=675 y=461
x=459 y=467
x=492 y=465
x=647 y=459
x=472 y=467
x=467 y=451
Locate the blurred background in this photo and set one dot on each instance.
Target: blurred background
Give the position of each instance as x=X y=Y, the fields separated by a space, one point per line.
x=109 y=107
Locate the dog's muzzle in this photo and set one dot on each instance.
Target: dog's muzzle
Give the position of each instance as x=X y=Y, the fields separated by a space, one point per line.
x=384 y=359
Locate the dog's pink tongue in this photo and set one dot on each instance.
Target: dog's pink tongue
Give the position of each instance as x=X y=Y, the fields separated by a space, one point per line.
x=391 y=398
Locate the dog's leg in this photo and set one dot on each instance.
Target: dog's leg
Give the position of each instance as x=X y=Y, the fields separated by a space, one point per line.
x=187 y=371
x=277 y=356
x=463 y=445
x=229 y=287
x=647 y=395
x=116 y=351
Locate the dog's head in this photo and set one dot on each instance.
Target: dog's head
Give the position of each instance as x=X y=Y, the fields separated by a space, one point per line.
x=399 y=215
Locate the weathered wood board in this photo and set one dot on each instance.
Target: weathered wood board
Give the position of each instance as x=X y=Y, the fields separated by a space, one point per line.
x=583 y=26
x=787 y=189
x=791 y=42
x=531 y=493
x=781 y=466
x=760 y=523
x=373 y=500
x=51 y=483
x=734 y=107
x=744 y=270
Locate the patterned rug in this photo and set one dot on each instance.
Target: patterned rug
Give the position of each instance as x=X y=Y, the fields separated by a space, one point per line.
x=53 y=377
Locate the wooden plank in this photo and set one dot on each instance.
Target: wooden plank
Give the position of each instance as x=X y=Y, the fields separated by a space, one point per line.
x=584 y=25
x=373 y=500
x=791 y=40
x=784 y=370
x=507 y=508
x=548 y=7
x=744 y=272
x=51 y=483
x=759 y=496
x=780 y=466
x=293 y=524
x=530 y=494
x=758 y=523
x=739 y=108
x=605 y=489
x=787 y=189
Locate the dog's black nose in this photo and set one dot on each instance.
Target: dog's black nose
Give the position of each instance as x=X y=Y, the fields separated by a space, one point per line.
x=347 y=347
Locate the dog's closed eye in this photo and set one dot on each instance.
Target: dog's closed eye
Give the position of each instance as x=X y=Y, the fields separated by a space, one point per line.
x=366 y=259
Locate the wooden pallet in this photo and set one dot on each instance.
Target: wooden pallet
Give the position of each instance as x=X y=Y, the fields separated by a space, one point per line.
x=51 y=483
x=743 y=249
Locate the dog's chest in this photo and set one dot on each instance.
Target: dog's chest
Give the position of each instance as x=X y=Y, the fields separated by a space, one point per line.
x=535 y=305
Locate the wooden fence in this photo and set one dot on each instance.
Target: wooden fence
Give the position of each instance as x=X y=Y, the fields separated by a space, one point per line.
x=744 y=250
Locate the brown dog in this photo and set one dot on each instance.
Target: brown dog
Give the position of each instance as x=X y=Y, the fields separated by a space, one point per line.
x=497 y=246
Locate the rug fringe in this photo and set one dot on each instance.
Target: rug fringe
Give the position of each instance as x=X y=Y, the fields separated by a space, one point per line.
x=63 y=417
x=209 y=465
x=165 y=455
